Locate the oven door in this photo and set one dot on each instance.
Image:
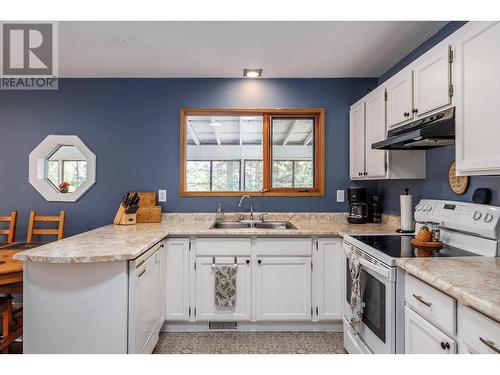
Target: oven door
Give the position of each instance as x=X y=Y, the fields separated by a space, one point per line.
x=377 y=329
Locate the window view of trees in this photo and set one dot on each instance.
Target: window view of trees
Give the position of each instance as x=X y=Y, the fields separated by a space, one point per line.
x=293 y=174
x=213 y=175
x=253 y=175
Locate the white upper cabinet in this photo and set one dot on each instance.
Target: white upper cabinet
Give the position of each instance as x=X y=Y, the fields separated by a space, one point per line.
x=375 y=131
x=357 y=141
x=478 y=91
x=399 y=98
x=432 y=81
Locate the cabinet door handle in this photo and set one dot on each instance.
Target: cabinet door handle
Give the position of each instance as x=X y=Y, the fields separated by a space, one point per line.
x=419 y=299
x=365 y=173
x=445 y=345
x=406 y=114
x=414 y=110
x=259 y=261
x=360 y=174
x=142 y=273
x=247 y=261
x=490 y=344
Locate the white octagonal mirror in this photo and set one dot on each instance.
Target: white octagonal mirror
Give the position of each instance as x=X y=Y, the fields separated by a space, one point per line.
x=62 y=168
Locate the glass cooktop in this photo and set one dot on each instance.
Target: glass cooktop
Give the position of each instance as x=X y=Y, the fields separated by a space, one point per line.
x=400 y=247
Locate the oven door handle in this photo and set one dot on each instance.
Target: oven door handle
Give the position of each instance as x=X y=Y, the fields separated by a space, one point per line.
x=378 y=269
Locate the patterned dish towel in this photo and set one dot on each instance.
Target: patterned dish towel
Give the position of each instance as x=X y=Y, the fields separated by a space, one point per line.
x=225 y=285
x=356 y=303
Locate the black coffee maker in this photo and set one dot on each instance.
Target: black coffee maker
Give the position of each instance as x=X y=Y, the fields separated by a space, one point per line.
x=358 y=209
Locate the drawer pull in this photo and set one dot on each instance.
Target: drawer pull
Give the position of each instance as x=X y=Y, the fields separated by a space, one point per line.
x=142 y=273
x=489 y=344
x=419 y=299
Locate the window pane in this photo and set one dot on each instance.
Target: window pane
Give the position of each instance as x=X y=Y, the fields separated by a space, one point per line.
x=225 y=141
x=53 y=172
x=253 y=175
x=198 y=175
x=292 y=152
x=74 y=172
x=304 y=177
x=226 y=175
x=282 y=173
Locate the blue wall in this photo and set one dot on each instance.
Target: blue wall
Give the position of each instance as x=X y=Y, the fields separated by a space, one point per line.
x=438 y=160
x=132 y=125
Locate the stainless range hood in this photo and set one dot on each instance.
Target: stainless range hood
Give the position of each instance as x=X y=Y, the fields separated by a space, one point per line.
x=429 y=132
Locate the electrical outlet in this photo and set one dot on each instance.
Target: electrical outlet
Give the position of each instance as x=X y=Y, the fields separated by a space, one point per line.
x=162 y=195
x=340 y=195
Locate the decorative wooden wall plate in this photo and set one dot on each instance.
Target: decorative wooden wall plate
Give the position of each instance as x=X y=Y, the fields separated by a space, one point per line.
x=458 y=184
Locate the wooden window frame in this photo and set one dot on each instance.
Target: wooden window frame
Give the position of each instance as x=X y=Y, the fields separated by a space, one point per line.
x=319 y=157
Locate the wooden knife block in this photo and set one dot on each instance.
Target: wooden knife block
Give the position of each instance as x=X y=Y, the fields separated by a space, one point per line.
x=122 y=218
x=148 y=211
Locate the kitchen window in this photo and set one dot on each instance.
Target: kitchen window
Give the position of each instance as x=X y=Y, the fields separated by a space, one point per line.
x=276 y=152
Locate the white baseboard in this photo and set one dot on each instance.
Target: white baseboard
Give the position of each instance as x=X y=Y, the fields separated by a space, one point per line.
x=256 y=327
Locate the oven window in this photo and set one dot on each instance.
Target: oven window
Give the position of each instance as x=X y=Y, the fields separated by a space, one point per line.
x=374 y=305
x=373 y=300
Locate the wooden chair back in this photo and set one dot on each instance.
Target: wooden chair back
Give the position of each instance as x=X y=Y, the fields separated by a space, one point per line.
x=32 y=230
x=11 y=231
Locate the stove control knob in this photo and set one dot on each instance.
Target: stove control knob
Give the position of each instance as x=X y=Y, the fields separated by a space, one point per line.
x=418 y=208
x=477 y=215
x=488 y=217
x=429 y=208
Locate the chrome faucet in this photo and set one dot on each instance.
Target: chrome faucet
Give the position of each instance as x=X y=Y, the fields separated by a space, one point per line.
x=251 y=204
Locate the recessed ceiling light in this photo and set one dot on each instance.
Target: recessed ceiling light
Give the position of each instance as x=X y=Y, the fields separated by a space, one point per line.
x=215 y=124
x=252 y=73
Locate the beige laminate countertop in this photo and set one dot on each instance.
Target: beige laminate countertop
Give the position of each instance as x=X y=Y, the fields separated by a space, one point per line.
x=472 y=281
x=118 y=243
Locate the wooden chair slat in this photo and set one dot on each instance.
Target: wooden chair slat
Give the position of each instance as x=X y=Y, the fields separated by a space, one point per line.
x=59 y=231
x=11 y=232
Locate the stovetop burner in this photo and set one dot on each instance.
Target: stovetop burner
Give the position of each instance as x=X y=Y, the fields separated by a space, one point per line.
x=397 y=246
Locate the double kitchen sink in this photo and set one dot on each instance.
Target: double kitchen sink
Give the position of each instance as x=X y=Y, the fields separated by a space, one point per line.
x=253 y=225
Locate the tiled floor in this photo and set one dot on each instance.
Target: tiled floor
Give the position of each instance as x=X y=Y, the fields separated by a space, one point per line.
x=250 y=343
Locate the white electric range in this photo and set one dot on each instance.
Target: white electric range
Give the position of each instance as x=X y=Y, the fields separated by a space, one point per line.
x=466 y=229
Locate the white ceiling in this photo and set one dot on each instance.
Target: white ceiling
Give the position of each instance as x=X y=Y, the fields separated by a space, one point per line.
x=223 y=49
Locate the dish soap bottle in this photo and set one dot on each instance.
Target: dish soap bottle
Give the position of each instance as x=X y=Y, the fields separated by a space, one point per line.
x=219 y=214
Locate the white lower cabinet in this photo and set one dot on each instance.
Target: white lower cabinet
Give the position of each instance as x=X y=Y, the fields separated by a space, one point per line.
x=477 y=333
x=177 y=279
x=278 y=279
x=283 y=288
x=206 y=310
x=327 y=280
x=421 y=337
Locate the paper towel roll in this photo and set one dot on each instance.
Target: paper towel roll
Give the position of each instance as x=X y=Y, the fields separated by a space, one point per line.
x=406 y=213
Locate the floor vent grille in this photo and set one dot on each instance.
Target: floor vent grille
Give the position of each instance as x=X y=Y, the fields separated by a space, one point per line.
x=222 y=325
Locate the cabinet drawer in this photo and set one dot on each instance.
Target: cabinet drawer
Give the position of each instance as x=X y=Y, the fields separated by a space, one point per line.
x=478 y=334
x=223 y=246
x=435 y=306
x=284 y=246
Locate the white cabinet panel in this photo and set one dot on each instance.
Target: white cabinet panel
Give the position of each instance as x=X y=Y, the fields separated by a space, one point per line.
x=177 y=280
x=357 y=141
x=478 y=90
x=283 y=288
x=399 y=98
x=327 y=278
x=421 y=337
x=205 y=290
x=375 y=131
x=477 y=333
x=432 y=81
x=148 y=300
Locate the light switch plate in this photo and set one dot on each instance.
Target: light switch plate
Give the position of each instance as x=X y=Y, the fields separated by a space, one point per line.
x=340 y=195
x=162 y=195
